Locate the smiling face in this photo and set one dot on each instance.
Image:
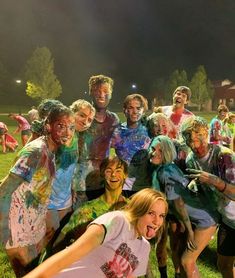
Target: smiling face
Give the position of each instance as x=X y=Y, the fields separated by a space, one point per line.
x=148 y=224
x=83 y=119
x=134 y=112
x=160 y=127
x=62 y=130
x=114 y=176
x=198 y=141
x=155 y=153
x=180 y=99
x=101 y=95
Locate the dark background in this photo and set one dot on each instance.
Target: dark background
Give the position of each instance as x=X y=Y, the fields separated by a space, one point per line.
x=133 y=41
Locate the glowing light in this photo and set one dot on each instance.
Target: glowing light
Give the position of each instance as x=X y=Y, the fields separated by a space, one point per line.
x=133 y=86
x=18 y=81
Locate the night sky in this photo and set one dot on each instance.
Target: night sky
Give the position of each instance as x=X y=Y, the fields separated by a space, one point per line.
x=133 y=41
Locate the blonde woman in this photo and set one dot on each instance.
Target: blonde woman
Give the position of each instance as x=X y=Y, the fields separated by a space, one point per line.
x=115 y=242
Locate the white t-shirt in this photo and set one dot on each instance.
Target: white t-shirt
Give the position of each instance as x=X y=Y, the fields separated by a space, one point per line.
x=120 y=255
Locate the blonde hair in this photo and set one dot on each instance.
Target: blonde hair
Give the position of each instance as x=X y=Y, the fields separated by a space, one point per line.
x=80 y=104
x=141 y=203
x=153 y=120
x=167 y=147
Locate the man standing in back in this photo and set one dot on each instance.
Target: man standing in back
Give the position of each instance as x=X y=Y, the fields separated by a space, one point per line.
x=177 y=111
x=94 y=144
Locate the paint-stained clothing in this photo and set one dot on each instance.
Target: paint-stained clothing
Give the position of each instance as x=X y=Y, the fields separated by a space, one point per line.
x=219 y=161
x=177 y=119
x=218 y=127
x=22 y=122
x=94 y=146
x=89 y=211
x=127 y=141
x=28 y=204
x=3 y=128
x=171 y=180
x=121 y=254
x=66 y=161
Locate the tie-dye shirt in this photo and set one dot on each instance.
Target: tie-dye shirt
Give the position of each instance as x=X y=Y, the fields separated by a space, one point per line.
x=127 y=141
x=94 y=146
x=22 y=122
x=66 y=161
x=219 y=161
x=177 y=119
x=217 y=126
x=35 y=165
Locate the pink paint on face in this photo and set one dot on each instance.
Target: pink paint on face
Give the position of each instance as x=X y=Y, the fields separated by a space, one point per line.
x=160 y=128
x=62 y=130
x=149 y=224
x=101 y=95
x=83 y=119
x=134 y=111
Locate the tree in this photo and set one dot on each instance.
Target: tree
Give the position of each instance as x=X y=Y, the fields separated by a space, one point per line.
x=158 y=91
x=177 y=78
x=202 y=90
x=41 y=81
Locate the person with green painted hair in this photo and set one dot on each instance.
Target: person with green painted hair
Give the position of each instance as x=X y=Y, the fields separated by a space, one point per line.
x=113 y=172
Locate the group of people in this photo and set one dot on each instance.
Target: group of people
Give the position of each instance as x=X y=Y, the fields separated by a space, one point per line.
x=66 y=195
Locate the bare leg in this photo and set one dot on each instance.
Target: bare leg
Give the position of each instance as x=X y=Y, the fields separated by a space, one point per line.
x=161 y=252
x=189 y=258
x=24 y=139
x=3 y=142
x=226 y=266
x=177 y=244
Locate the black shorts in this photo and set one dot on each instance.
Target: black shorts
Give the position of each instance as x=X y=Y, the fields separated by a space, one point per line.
x=26 y=132
x=226 y=240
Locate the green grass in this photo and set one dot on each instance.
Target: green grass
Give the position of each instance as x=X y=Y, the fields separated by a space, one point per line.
x=206 y=262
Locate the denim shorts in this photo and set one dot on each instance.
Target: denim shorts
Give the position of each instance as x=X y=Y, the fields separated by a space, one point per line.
x=201 y=218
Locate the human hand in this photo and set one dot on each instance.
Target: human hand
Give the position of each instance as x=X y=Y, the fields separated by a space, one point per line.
x=191 y=245
x=202 y=176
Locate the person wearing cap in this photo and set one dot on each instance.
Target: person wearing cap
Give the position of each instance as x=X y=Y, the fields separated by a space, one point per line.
x=177 y=111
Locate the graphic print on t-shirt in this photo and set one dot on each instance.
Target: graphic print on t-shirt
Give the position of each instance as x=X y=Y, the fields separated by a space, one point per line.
x=122 y=265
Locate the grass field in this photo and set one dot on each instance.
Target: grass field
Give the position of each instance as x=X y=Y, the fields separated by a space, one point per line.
x=207 y=260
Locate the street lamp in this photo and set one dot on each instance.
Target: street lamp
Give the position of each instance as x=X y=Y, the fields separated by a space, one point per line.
x=18 y=82
x=133 y=86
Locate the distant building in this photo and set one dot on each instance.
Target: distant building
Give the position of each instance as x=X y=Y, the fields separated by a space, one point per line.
x=224 y=94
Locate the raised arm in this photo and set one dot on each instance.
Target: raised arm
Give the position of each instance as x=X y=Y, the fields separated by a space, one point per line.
x=91 y=239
